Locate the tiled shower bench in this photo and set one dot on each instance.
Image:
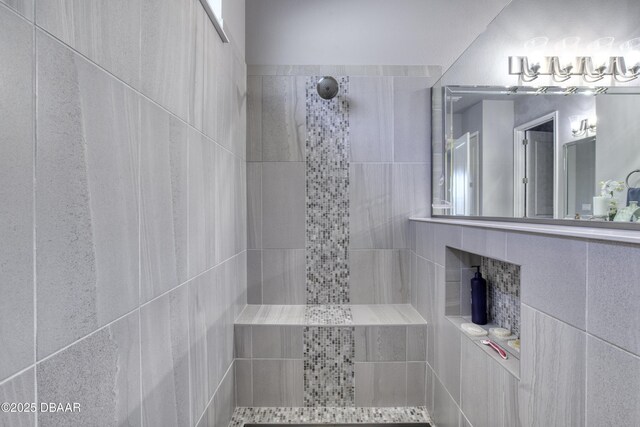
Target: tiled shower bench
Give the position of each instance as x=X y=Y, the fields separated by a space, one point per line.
x=318 y=356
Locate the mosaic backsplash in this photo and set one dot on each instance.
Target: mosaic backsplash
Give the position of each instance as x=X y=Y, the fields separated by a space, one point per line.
x=503 y=294
x=327 y=195
x=329 y=354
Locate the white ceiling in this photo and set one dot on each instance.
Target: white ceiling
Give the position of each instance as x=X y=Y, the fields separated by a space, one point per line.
x=364 y=32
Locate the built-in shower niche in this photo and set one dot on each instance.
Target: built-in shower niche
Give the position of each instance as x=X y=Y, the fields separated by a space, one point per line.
x=503 y=298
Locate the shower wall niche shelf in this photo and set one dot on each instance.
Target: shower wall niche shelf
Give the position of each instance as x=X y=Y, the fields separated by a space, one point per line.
x=503 y=300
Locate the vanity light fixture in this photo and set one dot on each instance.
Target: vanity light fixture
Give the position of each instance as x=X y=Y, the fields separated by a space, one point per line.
x=623 y=68
x=582 y=126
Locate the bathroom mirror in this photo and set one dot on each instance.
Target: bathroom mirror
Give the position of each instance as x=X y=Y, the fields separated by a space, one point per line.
x=537 y=153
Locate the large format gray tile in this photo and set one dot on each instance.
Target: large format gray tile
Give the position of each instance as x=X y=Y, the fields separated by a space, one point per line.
x=445 y=411
x=165 y=359
x=23 y=7
x=613 y=381
x=254 y=277
x=19 y=389
x=385 y=314
x=242 y=342
x=283 y=205
x=552 y=371
x=276 y=342
x=371 y=119
x=277 y=383
x=447 y=356
x=213 y=75
x=244 y=384
x=106 y=32
x=224 y=401
x=445 y=236
x=284 y=276
x=168 y=53
x=197 y=99
x=412 y=119
x=254 y=118
x=429 y=385
x=101 y=373
x=239 y=101
x=16 y=193
x=86 y=197
x=481 y=241
x=510 y=387
x=379 y=276
x=201 y=203
x=370 y=206
x=224 y=87
x=380 y=343
x=254 y=205
x=481 y=397
x=203 y=339
x=417 y=343
x=425 y=298
x=425 y=240
x=213 y=304
x=416 y=384
x=558 y=289
x=613 y=294
x=410 y=198
x=283 y=118
x=381 y=384
x=163 y=192
x=228 y=219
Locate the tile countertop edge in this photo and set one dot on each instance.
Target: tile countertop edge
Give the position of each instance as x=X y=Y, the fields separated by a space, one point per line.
x=606 y=234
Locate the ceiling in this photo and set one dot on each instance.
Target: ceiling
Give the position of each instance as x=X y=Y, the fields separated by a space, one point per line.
x=364 y=32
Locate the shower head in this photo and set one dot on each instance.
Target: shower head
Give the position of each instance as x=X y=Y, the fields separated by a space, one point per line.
x=328 y=87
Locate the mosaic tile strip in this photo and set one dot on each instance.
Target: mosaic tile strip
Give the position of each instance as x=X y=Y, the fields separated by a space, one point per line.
x=329 y=379
x=327 y=195
x=503 y=296
x=327 y=315
x=407 y=414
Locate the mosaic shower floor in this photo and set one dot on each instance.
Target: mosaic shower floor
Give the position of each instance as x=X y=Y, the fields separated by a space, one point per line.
x=409 y=414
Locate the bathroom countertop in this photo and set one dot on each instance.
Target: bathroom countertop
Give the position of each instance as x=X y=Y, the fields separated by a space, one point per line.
x=593 y=233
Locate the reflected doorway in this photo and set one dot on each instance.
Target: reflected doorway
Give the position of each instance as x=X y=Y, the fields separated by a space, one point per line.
x=535 y=180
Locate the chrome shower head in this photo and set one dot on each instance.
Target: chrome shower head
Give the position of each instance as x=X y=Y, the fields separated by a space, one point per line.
x=328 y=87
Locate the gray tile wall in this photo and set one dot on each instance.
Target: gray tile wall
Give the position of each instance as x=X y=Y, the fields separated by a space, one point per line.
x=125 y=193
x=579 y=362
x=389 y=179
x=387 y=368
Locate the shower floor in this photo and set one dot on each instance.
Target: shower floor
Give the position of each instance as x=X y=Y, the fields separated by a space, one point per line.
x=343 y=425
x=409 y=416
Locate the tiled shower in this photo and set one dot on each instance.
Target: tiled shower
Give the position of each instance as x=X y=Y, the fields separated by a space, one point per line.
x=331 y=185
x=189 y=240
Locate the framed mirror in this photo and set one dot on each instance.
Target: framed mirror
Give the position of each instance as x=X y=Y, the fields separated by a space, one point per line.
x=214 y=11
x=530 y=154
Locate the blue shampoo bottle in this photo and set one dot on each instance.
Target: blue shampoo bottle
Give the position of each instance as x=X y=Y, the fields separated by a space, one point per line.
x=478 y=298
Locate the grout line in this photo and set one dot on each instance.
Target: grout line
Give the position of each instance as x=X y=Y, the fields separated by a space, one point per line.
x=139 y=202
x=586 y=341
x=34 y=209
x=132 y=311
x=136 y=91
x=17 y=374
x=210 y=402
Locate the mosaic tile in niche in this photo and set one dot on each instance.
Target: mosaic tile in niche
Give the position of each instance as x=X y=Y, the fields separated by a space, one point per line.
x=503 y=293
